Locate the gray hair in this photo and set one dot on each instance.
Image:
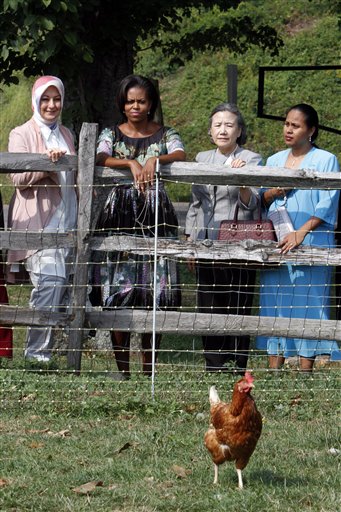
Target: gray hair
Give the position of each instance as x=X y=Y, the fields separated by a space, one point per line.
x=230 y=107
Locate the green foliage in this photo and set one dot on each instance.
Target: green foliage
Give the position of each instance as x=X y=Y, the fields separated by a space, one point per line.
x=234 y=29
x=93 y=44
x=311 y=37
x=36 y=32
x=39 y=34
x=15 y=107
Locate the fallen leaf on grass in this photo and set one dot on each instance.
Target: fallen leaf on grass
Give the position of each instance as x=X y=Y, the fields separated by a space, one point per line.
x=334 y=451
x=28 y=398
x=88 y=487
x=166 y=484
x=97 y=393
x=126 y=416
x=34 y=431
x=4 y=482
x=61 y=433
x=149 y=479
x=180 y=471
x=190 y=408
x=297 y=400
x=35 y=445
x=113 y=487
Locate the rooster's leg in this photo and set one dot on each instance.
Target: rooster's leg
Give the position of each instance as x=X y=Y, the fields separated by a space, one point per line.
x=240 y=480
x=216 y=468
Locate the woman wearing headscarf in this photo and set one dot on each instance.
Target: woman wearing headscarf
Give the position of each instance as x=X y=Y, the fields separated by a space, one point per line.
x=44 y=201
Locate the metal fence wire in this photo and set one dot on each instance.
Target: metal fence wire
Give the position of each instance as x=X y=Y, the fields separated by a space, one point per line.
x=83 y=341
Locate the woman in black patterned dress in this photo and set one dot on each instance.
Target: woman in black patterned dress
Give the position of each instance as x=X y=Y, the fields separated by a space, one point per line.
x=136 y=144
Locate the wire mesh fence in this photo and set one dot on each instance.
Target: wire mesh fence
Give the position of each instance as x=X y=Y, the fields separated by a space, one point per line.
x=163 y=344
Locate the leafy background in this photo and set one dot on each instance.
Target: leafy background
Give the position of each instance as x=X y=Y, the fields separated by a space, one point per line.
x=189 y=91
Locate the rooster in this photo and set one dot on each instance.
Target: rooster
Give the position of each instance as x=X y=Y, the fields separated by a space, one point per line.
x=235 y=428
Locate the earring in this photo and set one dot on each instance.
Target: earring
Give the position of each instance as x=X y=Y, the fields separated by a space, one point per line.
x=310 y=138
x=148 y=113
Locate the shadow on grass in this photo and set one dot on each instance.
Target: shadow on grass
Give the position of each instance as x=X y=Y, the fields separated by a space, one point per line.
x=267 y=476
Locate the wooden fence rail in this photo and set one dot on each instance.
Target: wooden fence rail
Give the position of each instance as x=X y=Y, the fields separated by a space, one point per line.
x=90 y=177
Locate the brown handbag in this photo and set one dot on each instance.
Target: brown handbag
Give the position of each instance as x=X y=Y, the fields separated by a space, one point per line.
x=237 y=230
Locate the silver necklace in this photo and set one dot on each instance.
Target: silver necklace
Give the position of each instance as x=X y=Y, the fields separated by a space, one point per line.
x=295 y=159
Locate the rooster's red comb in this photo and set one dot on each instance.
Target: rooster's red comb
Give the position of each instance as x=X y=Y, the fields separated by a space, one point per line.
x=249 y=377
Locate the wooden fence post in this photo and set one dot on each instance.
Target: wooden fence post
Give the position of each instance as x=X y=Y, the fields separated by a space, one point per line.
x=232 y=83
x=85 y=180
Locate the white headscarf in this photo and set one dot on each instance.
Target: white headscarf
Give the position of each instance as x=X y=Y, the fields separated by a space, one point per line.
x=39 y=87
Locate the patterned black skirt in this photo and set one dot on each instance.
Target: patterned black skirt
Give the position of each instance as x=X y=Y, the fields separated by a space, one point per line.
x=125 y=279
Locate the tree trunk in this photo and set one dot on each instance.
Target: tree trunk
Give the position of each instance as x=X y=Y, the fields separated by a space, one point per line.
x=92 y=98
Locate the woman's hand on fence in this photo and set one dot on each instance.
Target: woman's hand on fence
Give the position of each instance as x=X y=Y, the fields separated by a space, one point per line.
x=148 y=171
x=271 y=194
x=55 y=154
x=291 y=241
x=295 y=238
x=136 y=171
x=238 y=162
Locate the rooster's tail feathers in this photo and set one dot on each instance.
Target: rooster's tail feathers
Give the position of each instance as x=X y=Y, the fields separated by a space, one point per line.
x=214 y=398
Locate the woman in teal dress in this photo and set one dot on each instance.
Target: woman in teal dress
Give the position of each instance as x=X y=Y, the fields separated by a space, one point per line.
x=126 y=280
x=300 y=291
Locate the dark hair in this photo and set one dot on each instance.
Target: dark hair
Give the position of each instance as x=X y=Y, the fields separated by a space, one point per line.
x=137 y=81
x=311 y=117
x=230 y=107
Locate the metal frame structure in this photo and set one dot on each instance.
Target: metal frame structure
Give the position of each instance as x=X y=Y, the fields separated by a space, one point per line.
x=261 y=79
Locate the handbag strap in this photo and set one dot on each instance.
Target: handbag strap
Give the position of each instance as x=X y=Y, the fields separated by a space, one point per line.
x=236 y=211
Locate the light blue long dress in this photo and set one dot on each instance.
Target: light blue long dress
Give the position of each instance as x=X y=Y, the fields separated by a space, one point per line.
x=300 y=291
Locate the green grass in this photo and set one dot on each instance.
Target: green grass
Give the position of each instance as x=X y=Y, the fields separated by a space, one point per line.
x=15 y=107
x=60 y=431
